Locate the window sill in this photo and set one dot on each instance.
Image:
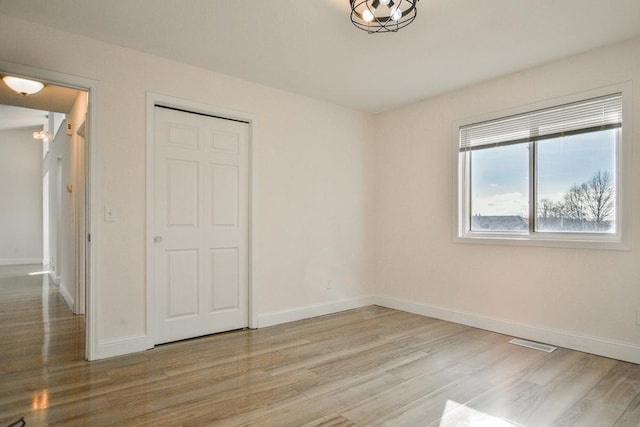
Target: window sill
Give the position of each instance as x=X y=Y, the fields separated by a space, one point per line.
x=611 y=242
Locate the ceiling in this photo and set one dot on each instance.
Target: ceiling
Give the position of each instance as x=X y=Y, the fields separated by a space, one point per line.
x=51 y=98
x=17 y=111
x=310 y=47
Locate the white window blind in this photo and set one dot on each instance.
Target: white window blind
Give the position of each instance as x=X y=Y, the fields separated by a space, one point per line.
x=579 y=117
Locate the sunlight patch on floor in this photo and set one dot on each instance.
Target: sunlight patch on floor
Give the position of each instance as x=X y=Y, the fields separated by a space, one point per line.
x=39 y=273
x=456 y=414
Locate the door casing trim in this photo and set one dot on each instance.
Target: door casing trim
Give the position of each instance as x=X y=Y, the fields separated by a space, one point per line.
x=92 y=179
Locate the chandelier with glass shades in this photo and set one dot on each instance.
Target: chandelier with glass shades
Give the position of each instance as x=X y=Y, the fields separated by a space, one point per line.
x=382 y=16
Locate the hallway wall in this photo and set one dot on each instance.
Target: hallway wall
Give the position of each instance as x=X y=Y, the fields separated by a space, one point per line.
x=20 y=197
x=65 y=165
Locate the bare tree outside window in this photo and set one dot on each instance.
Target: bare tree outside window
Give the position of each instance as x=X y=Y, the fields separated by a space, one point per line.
x=589 y=206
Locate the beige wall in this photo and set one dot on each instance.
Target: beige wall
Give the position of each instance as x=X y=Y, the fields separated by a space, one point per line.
x=576 y=292
x=313 y=165
x=69 y=152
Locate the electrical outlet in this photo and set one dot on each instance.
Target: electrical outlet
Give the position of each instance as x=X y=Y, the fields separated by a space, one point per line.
x=329 y=284
x=638 y=317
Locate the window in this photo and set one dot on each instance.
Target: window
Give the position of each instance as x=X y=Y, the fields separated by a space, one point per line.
x=550 y=174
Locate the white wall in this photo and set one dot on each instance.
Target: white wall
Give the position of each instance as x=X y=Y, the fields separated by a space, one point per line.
x=20 y=197
x=76 y=230
x=313 y=165
x=57 y=164
x=579 y=297
x=65 y=166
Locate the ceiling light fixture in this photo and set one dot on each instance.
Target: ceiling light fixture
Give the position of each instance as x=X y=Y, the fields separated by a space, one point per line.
x=43 y=135
x=382 y=16
x=23 y=86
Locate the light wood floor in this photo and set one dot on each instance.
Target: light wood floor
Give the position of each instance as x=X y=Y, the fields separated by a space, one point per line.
x=365 y=367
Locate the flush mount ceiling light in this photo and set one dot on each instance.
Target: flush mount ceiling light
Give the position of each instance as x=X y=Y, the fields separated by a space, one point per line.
x=22 y=86
x=382 y=16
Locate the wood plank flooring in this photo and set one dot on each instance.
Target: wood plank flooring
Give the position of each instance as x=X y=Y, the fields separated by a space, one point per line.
x=366 y=367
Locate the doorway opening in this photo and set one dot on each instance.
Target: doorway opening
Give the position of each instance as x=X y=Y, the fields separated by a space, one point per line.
x=45 y=222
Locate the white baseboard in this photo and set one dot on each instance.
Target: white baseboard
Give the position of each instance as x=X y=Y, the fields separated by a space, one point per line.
x=19 y=261
x=285 y=316
x=55 y=279
x=66 y=295
x=620 y=350
x=121 y=346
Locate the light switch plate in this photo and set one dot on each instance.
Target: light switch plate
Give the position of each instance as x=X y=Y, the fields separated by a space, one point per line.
x=109 y=214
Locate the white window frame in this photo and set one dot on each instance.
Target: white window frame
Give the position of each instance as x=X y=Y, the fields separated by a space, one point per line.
x=620 y=240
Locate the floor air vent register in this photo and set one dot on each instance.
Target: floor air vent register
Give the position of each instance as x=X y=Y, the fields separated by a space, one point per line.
x=534 y=345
